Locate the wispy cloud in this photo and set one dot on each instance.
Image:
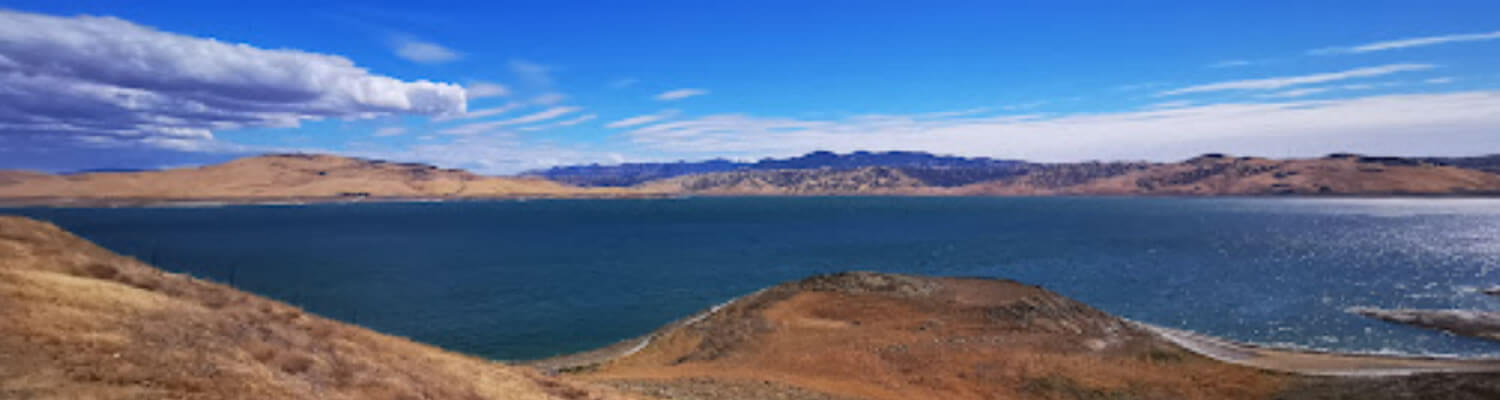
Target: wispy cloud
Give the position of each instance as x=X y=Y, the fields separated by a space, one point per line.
x=1295 y=93
x=579 y=120
x=415 y=50
x=1440 y=80
x=1385 y=124
x=560 y=124
x=1231 y=64
x=482 y=127
x=1286 y=81
x=482 y=113
x=1137 y=86
x=390 y=131
x=1408 y=43
x=479 y=90
x=548 y=99
x=680 y=94
x=532 y=73
x=642 y=119
x=1168 y=104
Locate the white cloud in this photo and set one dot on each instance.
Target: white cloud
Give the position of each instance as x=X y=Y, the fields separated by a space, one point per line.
x=680 y=94
x=496 y=154
x=548 y=99
x=1440 y=80
x=482 y=127
x=1281 y=82
x=479 y=90
x=483 y=112
x=1406 y=43
x=1168 y=104
x=390 y=131
x=532 y=73
x=1454 y=123
x=104 y=76
x=1231 y=64
x=579 y=120
x=642 y=119
x=420 y=51
x=1295 y=93
x=1137 y=86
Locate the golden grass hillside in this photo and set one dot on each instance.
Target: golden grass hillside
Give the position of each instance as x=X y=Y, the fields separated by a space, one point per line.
x=80 y=322
x=863 y=335
x=1222 y=175
x=286 y=176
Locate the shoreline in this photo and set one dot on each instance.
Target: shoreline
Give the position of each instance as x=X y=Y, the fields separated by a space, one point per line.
x=55 y=202
x=1316 y=363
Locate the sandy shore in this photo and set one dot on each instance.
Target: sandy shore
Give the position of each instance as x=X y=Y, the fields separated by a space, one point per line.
x=1316 y=363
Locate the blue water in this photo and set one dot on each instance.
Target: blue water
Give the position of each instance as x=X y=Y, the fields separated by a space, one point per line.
x=518 y=280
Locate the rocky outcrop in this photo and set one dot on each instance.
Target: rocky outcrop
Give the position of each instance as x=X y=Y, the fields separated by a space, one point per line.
x=1479 y=324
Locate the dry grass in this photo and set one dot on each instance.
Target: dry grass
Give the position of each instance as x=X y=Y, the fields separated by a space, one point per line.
x=970 y=340
x=80 y=322
x=1259 y=176
x=286 y=177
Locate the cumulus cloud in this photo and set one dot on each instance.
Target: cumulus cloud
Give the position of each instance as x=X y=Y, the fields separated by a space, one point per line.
x=1285 y=81
x=482 y=127
x=479 y=90
x=680 y=94
x=1409 y=124
x=420 y=51
x=641 y=119
x=107 y=77
x=1407 y=43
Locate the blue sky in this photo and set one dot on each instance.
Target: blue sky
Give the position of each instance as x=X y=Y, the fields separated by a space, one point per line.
x=506 y=87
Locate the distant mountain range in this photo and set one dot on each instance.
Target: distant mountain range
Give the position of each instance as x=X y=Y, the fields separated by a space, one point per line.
x=311 y=177
x=949 y=170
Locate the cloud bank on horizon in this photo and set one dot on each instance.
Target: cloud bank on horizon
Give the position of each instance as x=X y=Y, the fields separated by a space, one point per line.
x=80 y=92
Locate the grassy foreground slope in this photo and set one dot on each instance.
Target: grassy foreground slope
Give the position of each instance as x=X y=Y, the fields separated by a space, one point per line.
x=80 y=322
x=893 y=337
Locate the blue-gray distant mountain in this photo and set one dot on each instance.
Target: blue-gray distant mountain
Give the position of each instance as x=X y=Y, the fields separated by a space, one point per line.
x=932 y=169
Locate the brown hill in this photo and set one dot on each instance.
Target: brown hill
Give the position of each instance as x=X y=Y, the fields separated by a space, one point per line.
x=80 y=322
x=880 y=336
x=805 y=182
x=285 y=176
x=1209 y=175
x=1216 y=175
